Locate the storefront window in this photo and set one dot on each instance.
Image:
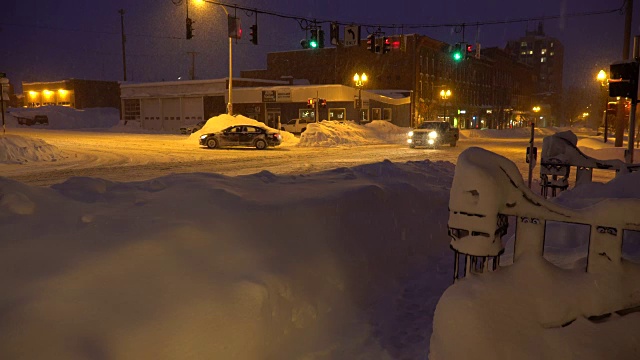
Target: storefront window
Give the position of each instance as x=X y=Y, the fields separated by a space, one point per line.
x=386 y=114
x=307 y=114
x=337 y=114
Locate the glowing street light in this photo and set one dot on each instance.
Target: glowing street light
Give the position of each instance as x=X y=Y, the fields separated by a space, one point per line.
x=359 y=80
x=536 y=109
x=445 y=95
x=604 y=83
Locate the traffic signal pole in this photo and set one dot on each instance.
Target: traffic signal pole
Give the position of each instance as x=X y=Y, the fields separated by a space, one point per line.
x=634 y=102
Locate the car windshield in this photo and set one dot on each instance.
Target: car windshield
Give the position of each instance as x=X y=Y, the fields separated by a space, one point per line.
x=433 y=125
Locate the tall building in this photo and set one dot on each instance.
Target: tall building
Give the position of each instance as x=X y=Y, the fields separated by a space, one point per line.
x=545 y=55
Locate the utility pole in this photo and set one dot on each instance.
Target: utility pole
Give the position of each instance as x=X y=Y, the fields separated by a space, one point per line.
x=124 y=39
x=620 y=116
x=634 y=103
x=192 y=71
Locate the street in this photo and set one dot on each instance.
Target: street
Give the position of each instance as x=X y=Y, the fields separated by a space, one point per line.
x=135 y=157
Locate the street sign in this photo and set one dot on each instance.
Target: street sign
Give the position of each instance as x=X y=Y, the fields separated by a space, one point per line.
x=351 y=35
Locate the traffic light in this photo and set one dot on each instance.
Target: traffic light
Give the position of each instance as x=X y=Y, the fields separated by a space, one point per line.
x=623 y=80
x=313 y=41
x=320 y=38
x=310 y=103
x=371 y=42
x=469 y=51
x=386 y=45
x=456 y=54
x=235 y=27
x=254 y=34
x=323 y=102
x=189 y=28
x=334 y=33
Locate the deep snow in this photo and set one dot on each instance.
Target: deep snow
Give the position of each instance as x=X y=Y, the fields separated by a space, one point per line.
x=342 y=264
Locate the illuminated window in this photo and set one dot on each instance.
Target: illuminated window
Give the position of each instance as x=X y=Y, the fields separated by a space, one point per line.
x=337 y=114
x=551 y=53
x=543 y=51
x=523 y=53
x=376 y=114
x=307 y=114
x=543 y=59
x=551 y=45
x=530 y=52
x=523 y=44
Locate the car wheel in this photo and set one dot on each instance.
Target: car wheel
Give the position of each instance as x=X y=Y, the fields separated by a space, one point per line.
x=453 y=144
x=261 y=144
x=212 y=143
x=412 y=146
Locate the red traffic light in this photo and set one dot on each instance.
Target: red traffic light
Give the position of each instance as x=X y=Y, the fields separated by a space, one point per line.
x=469 y=48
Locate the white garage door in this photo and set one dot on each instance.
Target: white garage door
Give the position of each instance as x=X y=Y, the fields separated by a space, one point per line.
x=151 y=114
x=171 y=114
x=192 y=110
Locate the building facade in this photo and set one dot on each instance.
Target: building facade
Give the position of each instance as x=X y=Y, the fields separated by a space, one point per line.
x=422 y=67
x=168 y=106
x=75 y=93
x=545 y=55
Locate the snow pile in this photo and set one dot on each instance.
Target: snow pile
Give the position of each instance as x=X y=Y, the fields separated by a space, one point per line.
x=223 y=121
x=523 y=132
x=62 y=117
x=16 y=149
x=348 y=133
x=324 y=266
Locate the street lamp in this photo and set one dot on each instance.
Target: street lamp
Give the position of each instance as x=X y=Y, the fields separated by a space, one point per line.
x=604 y=82
x=536 y=110
x=445 y=95
x=359 y=81
x=230 y=103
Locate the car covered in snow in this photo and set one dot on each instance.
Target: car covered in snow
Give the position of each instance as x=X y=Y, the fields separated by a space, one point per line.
x=433 y=134
x=241 y=135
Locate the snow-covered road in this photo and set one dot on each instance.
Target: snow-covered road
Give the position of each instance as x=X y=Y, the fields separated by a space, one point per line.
x=129 y=157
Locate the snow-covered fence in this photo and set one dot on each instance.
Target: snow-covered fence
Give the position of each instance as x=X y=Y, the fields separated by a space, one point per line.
x=487 y=188
x=560 y=152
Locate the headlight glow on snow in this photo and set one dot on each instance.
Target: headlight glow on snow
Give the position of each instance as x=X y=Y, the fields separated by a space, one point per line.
x=410 y=133
x=430 y=141
x=433 y=135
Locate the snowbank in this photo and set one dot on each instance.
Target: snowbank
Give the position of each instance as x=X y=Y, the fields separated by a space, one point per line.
x=15 y=149
x=348 y=133
x=523 y=132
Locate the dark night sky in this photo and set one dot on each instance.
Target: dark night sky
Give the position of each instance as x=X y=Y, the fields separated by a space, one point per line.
x=53 y=40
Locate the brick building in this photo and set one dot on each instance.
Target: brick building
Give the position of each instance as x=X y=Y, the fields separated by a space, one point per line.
x=491 y=90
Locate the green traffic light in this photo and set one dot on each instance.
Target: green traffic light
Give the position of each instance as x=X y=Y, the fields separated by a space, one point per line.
x=313 y=44
x=457 y=56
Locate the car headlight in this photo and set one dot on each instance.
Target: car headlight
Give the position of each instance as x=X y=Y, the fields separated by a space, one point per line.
x=430 y=141
x=409 y=141
x=410 y=134
x=202 y=137
x=433 y=135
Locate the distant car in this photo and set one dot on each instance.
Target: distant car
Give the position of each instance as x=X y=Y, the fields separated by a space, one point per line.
x=192 y=128
x=36 y=120
x=241 y=135
x=296 y=126
x=433 y=134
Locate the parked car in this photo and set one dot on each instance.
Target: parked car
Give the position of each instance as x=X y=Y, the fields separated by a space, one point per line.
x=192 y=128
x=36 y=120
x=241 y=135
x=433 y=134
x=296 y=126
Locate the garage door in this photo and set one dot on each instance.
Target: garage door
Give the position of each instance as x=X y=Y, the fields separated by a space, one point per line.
x=192 y=110
x=171 y=120
x=150 y=113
